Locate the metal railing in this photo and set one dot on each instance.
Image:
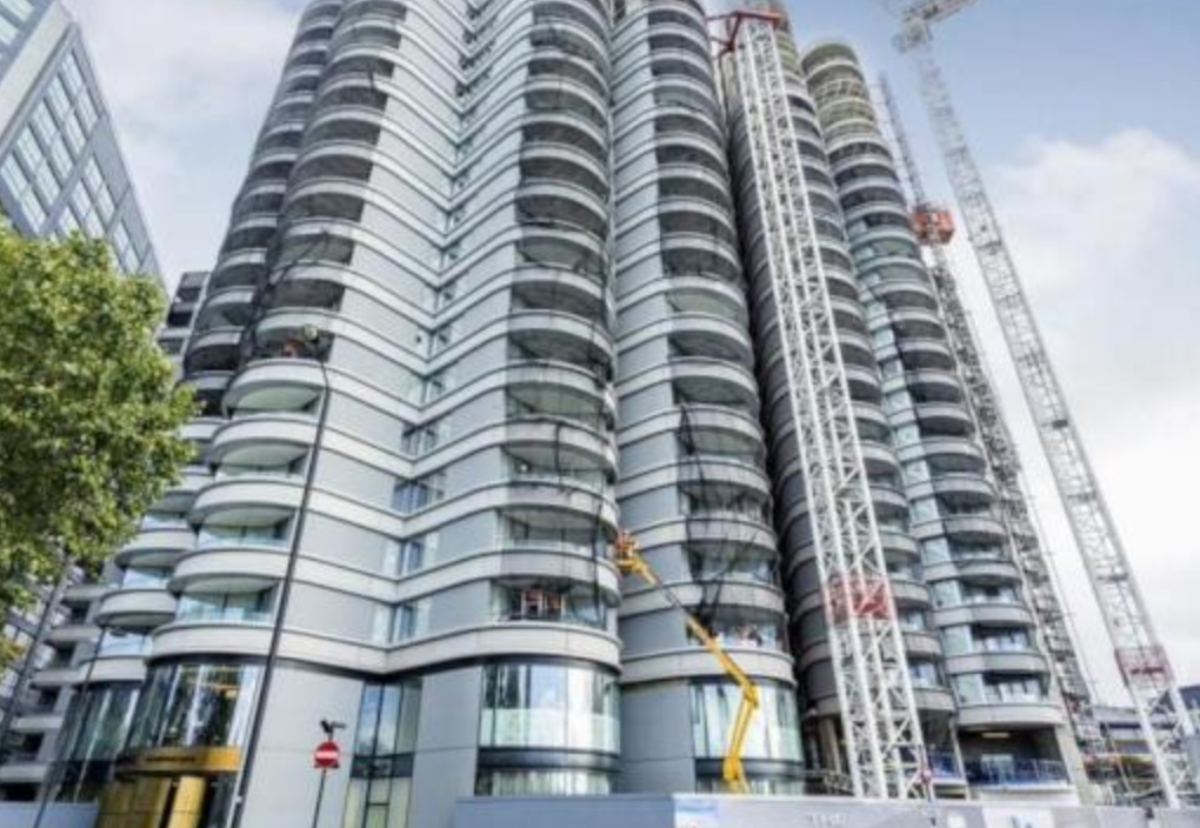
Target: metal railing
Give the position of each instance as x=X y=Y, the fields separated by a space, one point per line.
x=1016 y=772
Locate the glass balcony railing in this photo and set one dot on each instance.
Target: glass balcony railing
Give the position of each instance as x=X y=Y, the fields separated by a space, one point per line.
x=1016 y=772
x=943 y=764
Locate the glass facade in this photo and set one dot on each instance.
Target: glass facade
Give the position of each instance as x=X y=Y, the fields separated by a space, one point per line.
x=93 y=739
x=384 y=741
x=774 y=731
x=196 y=705
x=549 y=706
x=60 y=168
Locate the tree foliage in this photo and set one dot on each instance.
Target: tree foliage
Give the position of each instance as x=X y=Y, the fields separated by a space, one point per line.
x=89 y=411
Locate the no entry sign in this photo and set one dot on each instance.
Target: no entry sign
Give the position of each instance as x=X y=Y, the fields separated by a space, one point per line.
x=327 y=756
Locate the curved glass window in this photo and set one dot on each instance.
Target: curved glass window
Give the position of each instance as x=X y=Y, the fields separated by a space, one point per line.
x=549 y=706
x=543 y=783
x=759 y=786
x=97 y=726
x=227 y=607
x=774 y=731
x=195 y=705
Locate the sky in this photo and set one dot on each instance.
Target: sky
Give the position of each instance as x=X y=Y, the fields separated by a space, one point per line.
x=1081 y=113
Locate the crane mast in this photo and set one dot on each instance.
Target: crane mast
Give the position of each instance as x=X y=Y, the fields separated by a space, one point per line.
x=881 y=730
x=1001 y=450
x=1140 y=656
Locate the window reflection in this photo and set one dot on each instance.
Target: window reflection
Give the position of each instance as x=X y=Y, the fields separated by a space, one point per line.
x=549 y=706
x=774 y=730
x=195 y=705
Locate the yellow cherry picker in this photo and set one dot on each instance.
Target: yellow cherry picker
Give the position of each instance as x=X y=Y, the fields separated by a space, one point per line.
x=630 y=561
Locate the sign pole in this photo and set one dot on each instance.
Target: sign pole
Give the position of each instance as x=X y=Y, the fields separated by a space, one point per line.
x=320 y=797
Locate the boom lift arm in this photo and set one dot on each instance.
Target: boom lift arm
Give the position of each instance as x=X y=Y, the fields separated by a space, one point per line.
x=630 y=561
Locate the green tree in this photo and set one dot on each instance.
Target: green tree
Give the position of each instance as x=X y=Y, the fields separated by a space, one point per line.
x=89 y=411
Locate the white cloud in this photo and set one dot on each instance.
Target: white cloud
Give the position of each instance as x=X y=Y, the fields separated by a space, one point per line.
x=1103 y=233
x=189 y=83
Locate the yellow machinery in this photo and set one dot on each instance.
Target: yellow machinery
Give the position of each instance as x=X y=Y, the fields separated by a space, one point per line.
x=630 y=561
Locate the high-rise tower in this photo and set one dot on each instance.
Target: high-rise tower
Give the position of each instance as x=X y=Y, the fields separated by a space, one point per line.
x=416 y=440
x=61 y=170
x=990 y=717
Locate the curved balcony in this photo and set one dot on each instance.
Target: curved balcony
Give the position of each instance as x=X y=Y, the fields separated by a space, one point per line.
x=996 y=715
x=247 y=501
x=135 y=609
x=926 y=354
x=957 y=489
x=934 y=700
x=546 y=129
x=276 y=385
x=996 y=662
x=560 y=337
x=697 y=662
x=233 y=569
x=946 y=455
x=549 y=289
x=228 y=308
x=939 y=419
x=713 y=382
x=67 y=635
x=179 y=495
x=199 y=430
x=982 y=529
x=553 y=164
x=1006 y=614
x=264 y=440
x=698 y=255
x=57 y=675
x=695 y=218
x=550 y=204
x=213 y=350
x=155 y=548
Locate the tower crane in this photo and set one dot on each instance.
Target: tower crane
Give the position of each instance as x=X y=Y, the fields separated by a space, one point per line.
x=934 y=227
x=1142 y=659
x=630 y=561
x=881 y=729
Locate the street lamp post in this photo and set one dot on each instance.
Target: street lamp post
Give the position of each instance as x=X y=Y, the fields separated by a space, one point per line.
x=327 y=757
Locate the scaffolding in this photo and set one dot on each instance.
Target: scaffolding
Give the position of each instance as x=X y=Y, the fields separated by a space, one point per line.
x=934 y=227
x=1142 y=659
x=884 y=750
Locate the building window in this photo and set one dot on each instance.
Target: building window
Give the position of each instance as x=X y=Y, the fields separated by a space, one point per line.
x=745 y=628
x=72 y=74
x=562 y=603
x=413 y=495
x=394 y=625
x=274 y=535
x=195 y=705
x=774 y=732
x=381 y=771
x=44 y=123
x=549 y=706
x=406 y=556
x=543 y=782
x=419 y=440
x=87 y=110
x=93 y=736
x=60 y=102
x=926 y=675
x=227 y=607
